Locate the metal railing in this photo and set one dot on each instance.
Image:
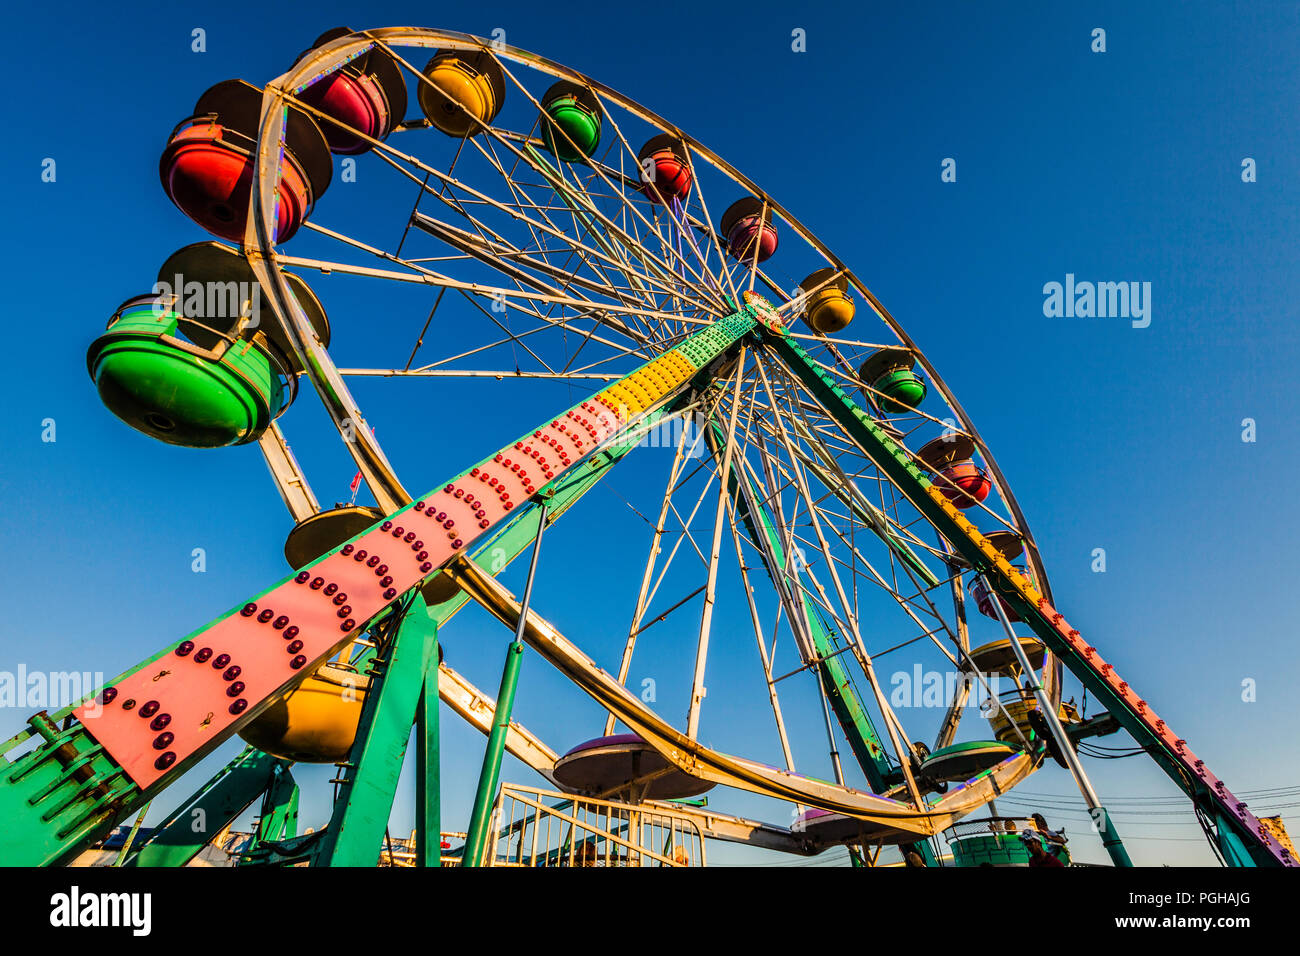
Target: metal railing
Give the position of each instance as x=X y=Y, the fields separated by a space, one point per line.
x=534 y=827
x=986 y=826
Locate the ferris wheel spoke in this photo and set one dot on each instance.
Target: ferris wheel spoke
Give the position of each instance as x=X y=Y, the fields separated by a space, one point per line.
x=854 y=382
x=606 y=233
x=643 y=595
x=811 y=641
x=637 y=214
x=773 y=500
x=952 y=718
x=818 y=598
x=937 y=478
x=684 y=534
x=640 y=290
x=497 y=374
x=510 y=261
x=765 y=657
x=710 y=594
x=517 y=193
x=628 y=236
x=655 y=283
x=728 y=269
x=530 y=156
x=514 y=338
x=817 y=339
x=684 y=523
x=619 y=350
x=459 y=204
x=906 y=601
x=846 y=618
x=842 y=485
x=510 y=298
x=837 y=484
x=850 y=622
x=588 y=337
x=682 y=223
x=575 y=247
x=670 y=300
x=419 y=195
x=911 y=605
x=753 y=260
x=707 y=228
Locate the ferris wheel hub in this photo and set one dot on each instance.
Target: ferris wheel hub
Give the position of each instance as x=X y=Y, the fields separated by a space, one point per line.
x=764 y=312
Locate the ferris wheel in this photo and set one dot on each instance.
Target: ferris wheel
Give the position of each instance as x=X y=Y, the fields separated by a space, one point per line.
x=814 y=478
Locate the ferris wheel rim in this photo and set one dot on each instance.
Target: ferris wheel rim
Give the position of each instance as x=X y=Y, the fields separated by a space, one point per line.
x=338 y=51
x=261 y=249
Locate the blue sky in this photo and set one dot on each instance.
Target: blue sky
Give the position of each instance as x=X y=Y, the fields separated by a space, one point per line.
x=1120 y=166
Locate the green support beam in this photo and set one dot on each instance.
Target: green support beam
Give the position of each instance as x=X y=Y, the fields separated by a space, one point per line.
x=1236 y=826
x=279 y=816
x=428 y=775
x=213 y=807
x=478 y=838
x=356 y=829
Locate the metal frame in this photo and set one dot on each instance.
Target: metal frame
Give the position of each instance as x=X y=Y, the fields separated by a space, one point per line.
x=786 y=446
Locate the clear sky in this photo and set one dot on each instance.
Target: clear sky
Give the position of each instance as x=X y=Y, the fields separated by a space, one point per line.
x=1125 y=165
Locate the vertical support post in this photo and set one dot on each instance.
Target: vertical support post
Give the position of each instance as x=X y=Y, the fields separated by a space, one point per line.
x=279 y=808
x=476 y=840
x=356 y=829
x=1101 y=820
x=1230 y=845
x=961 y=693
x=814 y=646
x=830 y=736
x=647 y=576
x=428 y=774
x=711 y=586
